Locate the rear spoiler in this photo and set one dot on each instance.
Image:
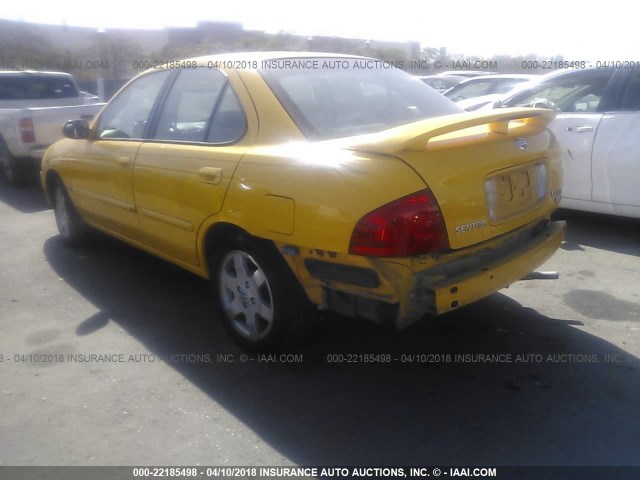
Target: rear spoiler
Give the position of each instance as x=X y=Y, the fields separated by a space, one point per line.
x=416 y=136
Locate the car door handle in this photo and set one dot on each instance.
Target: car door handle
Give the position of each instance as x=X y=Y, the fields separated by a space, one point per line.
x=210 y=175
x=123 y=161
x=580 y=129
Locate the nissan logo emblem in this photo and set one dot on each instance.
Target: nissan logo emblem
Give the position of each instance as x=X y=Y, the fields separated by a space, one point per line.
x=522 y=144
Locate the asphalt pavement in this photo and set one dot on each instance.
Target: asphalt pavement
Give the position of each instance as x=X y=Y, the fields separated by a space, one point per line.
x=113 y=357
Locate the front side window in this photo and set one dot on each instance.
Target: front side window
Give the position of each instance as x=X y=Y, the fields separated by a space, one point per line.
x=581 y=94
x=201 y=107
x=354 y=99
x=127 y=114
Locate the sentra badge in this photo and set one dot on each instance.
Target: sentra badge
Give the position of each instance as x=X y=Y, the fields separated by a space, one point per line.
x=467 y=227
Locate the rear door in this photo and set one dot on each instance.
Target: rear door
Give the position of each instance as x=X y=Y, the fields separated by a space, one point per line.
x=182 y=172
x=616 y=151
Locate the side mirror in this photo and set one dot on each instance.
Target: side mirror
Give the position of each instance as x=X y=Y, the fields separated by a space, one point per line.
x=76 y=129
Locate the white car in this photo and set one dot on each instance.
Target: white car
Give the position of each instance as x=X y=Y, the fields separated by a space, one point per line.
x=484 y=85
x=596 y=126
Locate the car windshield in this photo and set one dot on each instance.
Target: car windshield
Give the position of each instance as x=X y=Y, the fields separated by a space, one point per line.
x=567 y=93
x=333 y=98
x=479 y=88
x=469 y=90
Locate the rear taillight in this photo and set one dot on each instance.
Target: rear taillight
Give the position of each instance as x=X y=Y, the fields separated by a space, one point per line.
x=409 y=226
x=26 y=130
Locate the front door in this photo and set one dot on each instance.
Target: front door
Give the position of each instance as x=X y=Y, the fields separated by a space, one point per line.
x=99 y=173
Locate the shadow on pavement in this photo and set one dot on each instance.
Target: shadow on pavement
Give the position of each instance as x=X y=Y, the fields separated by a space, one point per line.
x=572 y=408
x=28 y=199
x=606 y=232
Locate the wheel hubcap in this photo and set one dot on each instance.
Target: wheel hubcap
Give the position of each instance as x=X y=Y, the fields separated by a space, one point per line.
x=61 y=213
x=246 y=295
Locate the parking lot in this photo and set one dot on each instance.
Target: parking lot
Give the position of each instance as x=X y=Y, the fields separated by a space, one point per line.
x=166 y=384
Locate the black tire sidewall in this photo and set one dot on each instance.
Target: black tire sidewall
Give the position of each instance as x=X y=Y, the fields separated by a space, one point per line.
x=7 y=161
x=76 y=224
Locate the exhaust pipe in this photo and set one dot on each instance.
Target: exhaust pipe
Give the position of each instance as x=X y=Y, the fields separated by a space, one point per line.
x=548 y=275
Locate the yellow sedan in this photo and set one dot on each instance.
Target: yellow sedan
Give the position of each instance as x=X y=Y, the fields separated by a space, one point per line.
x=296 y=181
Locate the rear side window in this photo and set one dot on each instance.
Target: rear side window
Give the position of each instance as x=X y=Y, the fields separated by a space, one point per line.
x=127 y=114
x=13 y=88
x=201 y=107
x=631 y=96
x=228 y=122
x=52 y=87
x=34 y=87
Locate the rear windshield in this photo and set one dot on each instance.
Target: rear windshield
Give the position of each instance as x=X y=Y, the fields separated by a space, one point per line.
x=333 y=98
x=36 y=87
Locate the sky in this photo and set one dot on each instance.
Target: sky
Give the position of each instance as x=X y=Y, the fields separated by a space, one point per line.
x=577 y=30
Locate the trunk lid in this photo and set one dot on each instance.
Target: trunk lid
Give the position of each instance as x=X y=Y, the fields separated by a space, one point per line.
x=490 y=172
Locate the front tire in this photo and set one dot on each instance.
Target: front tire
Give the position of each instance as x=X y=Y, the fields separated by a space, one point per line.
x=262 y=304
x=70 y=225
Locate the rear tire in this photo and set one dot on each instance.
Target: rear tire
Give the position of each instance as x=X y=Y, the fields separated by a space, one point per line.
x=15 y=173
x=261 y=302
x=72 y=228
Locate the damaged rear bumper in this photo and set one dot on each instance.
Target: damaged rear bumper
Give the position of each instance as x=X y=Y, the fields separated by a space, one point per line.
x=403 y=290
x=469 y=278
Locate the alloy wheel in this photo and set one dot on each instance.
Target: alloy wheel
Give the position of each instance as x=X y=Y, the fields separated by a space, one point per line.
x=246 y=295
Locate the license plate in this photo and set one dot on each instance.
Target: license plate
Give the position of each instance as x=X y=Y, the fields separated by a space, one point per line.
x=511 y=193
